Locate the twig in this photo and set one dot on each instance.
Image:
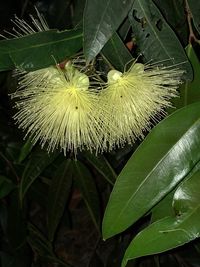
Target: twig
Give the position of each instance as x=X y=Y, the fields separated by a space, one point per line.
x=192 y=36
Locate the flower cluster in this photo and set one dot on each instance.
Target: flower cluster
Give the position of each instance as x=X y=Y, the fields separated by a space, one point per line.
x=62 y=108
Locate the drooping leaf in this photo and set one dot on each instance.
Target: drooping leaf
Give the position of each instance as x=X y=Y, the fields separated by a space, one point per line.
x=39 y=242
x=171 y=232
x=42 y=246
x=163 y=159
x=6 y=186
x=26 y=52
x=190 y=91
x=58 y=195
x=101 y=19
x=16 y=225
x=195 y=9
x=25 y=150
x=88 y=190
x=101 y=164
x=116 y=52
x=155 y=38
x=38 y=161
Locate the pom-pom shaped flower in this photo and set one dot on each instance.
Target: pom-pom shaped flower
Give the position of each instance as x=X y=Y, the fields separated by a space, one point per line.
x=57 y=106
x=135 y=99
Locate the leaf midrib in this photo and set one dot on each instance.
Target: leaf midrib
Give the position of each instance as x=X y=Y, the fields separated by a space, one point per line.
x=45 y=44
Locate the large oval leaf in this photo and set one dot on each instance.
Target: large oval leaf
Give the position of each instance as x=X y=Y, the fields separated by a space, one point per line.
x=174 y=231
x=39 y=50
x=101 y=20
x=155 y=38
x=165 y=157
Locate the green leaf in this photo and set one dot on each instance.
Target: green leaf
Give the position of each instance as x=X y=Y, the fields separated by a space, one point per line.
x=25 y=150
x=101 y=19
x=6 y=186
x=174 y=13
x=39 y=242
x=163 y=159
x=58 y=195
x=88 y=190
x=190 y=91
x=116 y=52
x=124 y=29
x=39 y=50
x=101 y=164
x=174 y=231
x=195 y=10
x=39 y=160
x=42 y=246
x=16 y=224
x=155 y=38
x=163 y=208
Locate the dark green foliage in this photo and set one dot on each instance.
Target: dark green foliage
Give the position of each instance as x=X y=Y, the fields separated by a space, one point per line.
x=52 y=206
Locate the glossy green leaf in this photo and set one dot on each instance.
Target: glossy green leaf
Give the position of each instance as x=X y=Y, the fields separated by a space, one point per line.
x=26 y=52
x=101 y=19
x=163 y=159
x=195 y=10
x=58 y=195
x=116 y=52
x=155 y=38
x=190 y=91
x=6 y=186
x=39 y=160
x=163 y=208
x=101 y=164
x=174 y=231
x=88 y=190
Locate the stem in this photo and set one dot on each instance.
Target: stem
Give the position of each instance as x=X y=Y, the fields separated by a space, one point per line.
x=192 y=36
